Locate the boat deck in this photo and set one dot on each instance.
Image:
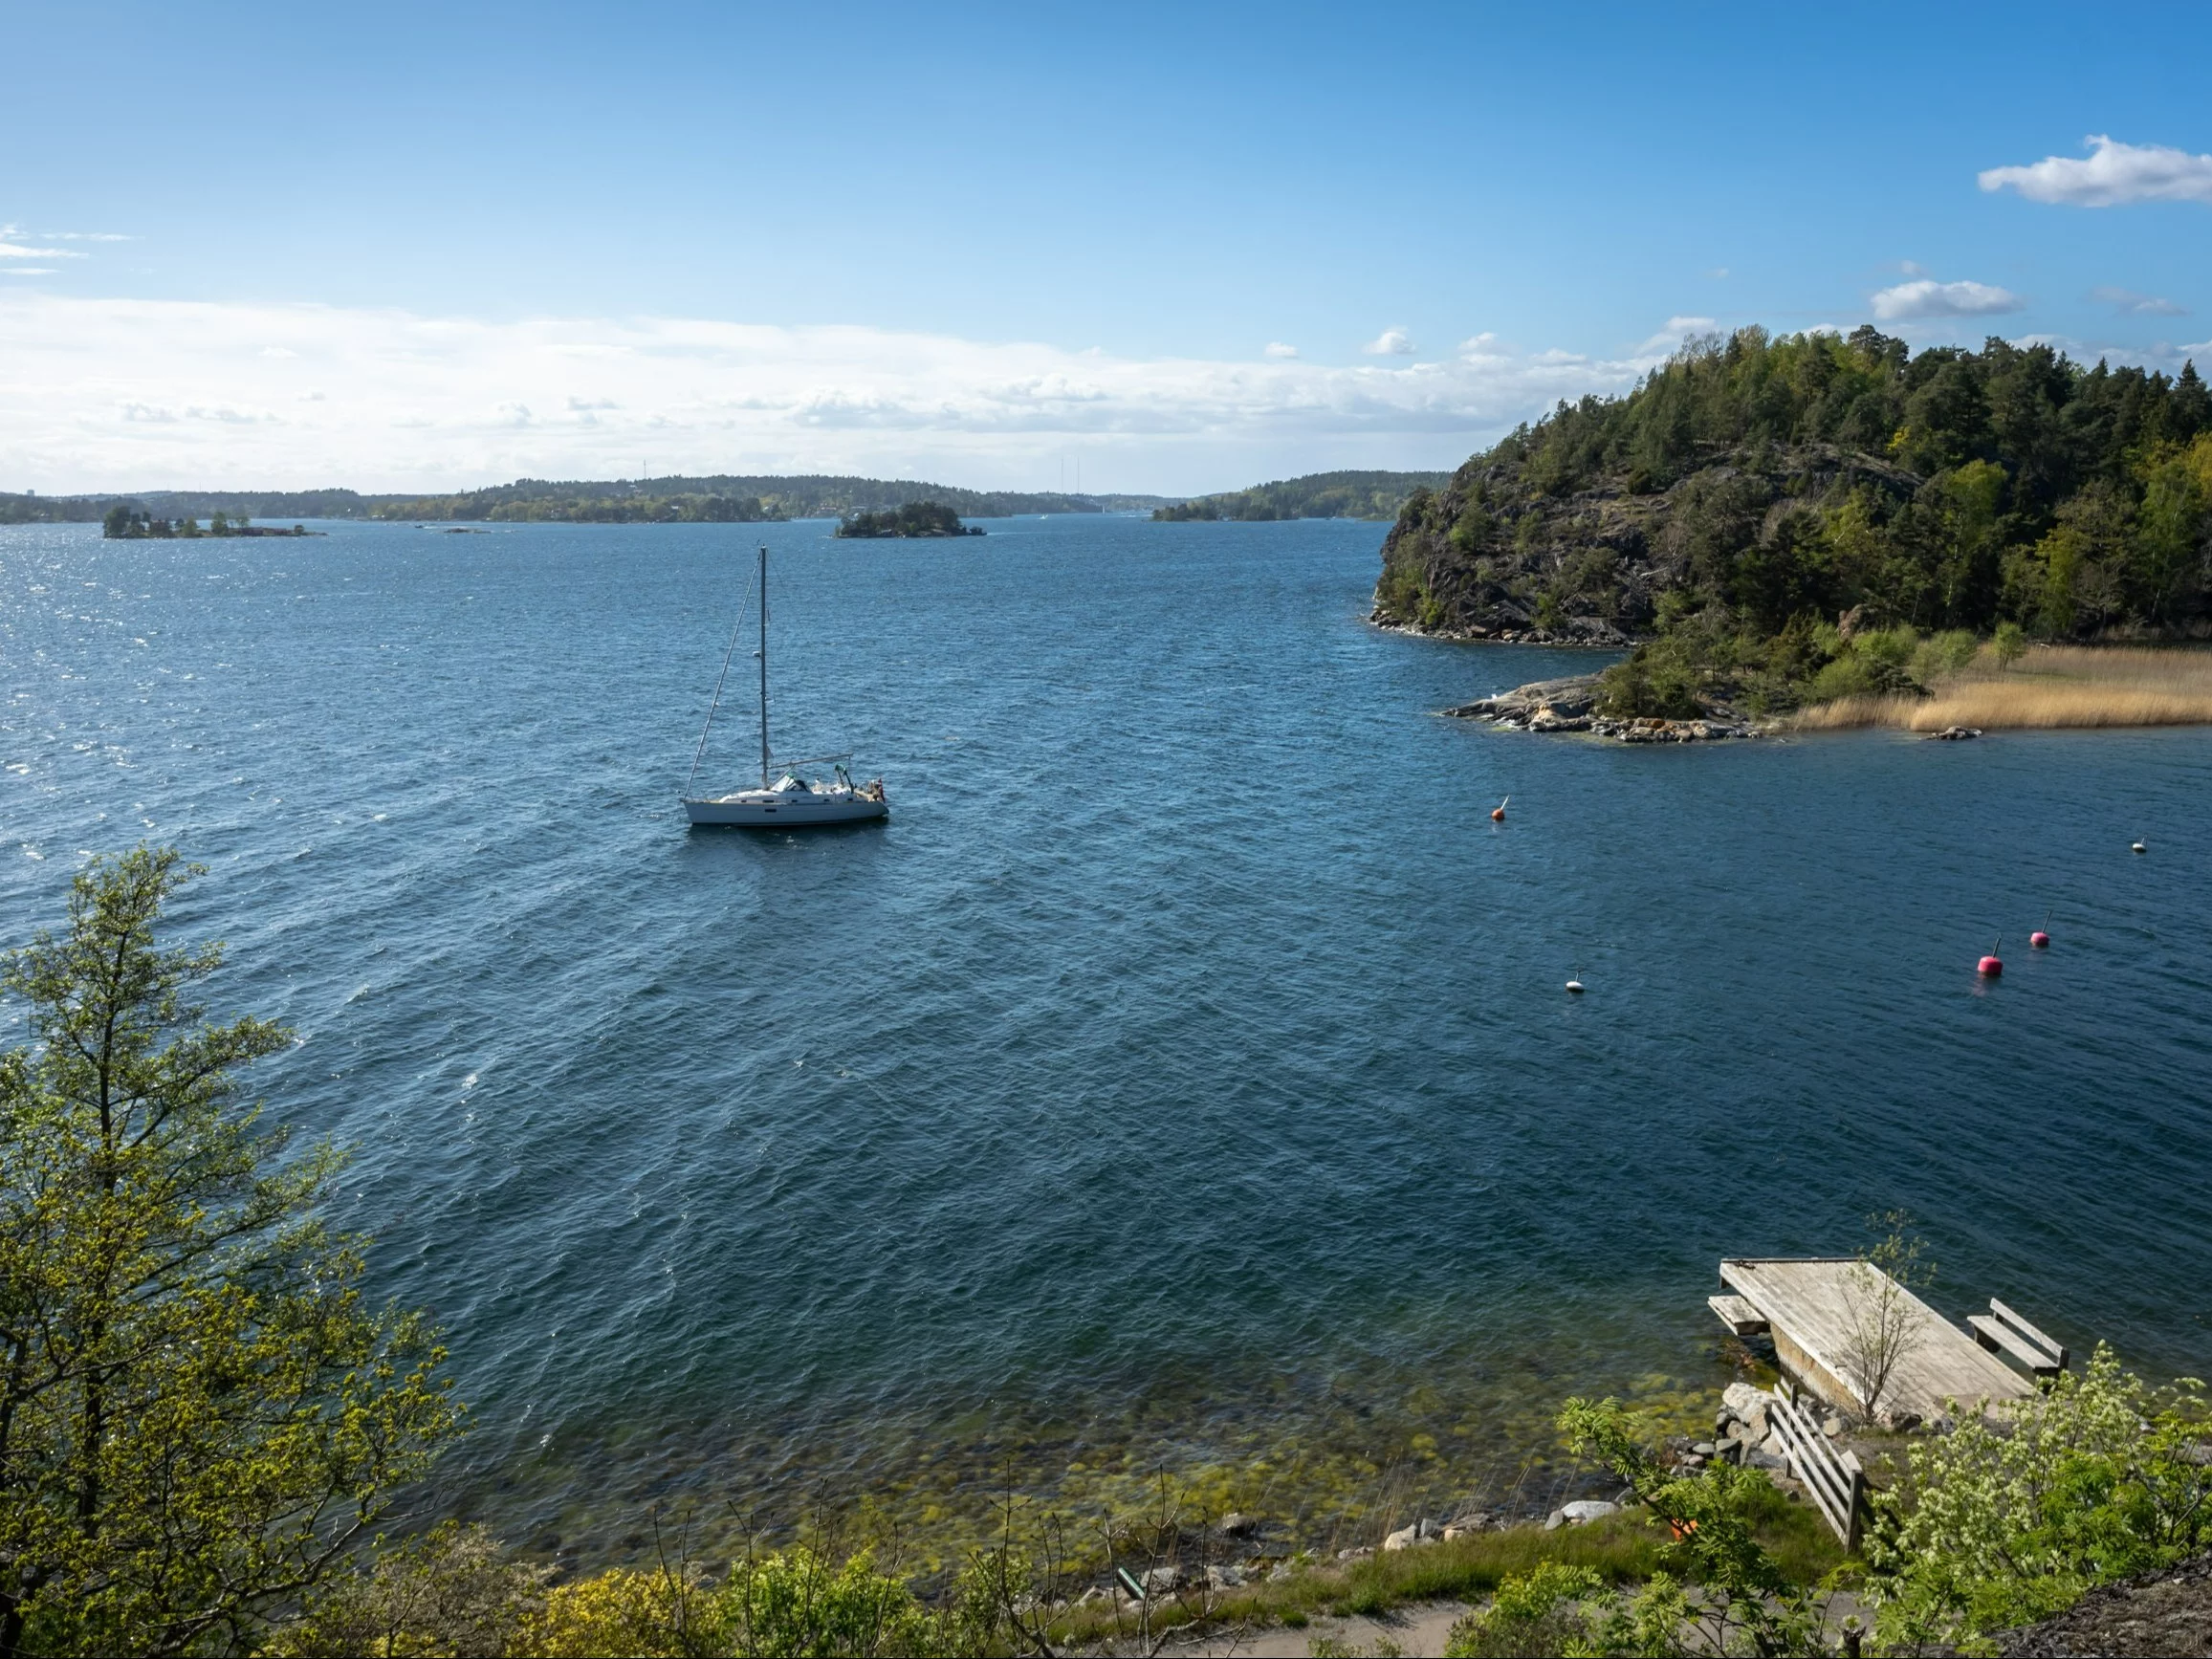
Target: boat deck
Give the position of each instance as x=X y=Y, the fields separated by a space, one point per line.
x=1807 y=1305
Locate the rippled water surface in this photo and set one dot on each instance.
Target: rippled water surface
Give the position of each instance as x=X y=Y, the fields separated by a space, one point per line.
x=1183 y=1074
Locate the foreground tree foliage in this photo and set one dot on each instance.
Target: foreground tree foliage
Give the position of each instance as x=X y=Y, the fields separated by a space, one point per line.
x=2001 y=1522
x=199 y=1416
x=1745 y=1603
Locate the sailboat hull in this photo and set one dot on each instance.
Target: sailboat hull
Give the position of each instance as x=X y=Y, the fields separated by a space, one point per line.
x=770 y=809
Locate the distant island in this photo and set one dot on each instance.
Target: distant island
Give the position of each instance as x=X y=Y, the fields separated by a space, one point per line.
x=1779 y=522
x=718 y=499
x=126 y=524
x=916 y=518
x=1375 y=495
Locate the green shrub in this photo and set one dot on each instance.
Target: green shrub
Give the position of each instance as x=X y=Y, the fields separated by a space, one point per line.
x=1400 y=592
x=1537 y=1614
x=2003 y=1522
x=1746 y=1598
x=1651 y=681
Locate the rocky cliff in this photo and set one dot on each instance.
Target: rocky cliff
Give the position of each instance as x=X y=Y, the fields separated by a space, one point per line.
x=1498 y=554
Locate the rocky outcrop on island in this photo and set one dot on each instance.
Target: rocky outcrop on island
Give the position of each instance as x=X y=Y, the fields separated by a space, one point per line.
x=1755 y=485
x=1571 y=704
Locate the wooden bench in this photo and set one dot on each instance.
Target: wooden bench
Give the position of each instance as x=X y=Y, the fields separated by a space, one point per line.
x=1738 y=1315
x=2000 y=1330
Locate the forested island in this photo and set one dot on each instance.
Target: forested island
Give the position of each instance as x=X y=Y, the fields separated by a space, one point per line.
x=1377 y=495
x=916 y=518
x=1776 y=520
x=129 y=524
x=720 y=498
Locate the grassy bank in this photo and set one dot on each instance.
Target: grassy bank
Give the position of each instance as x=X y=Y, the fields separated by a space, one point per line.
x=2051 y=687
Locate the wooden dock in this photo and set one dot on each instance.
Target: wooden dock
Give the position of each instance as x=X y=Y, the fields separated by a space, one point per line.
x=1807 y=1305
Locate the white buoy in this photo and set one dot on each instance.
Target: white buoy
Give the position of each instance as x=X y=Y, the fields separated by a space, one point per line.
x=2136 y=846
x=1575 y=986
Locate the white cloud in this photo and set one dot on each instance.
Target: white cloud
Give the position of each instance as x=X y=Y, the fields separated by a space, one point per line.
x=1392 y=342
x=28 y=271
x=1924 y=297
x=12 y=247
x=129 y=393
x=1677 y=330
x=2113 y=174
x=1277 y=349
x=86 y=236
x=2129 y=303
x=1718 y=273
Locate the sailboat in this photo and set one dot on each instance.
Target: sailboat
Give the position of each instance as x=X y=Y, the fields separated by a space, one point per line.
x=793 y=800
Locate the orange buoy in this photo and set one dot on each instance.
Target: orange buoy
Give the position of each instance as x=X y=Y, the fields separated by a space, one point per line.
x=1498 y=812
x=1990 y=967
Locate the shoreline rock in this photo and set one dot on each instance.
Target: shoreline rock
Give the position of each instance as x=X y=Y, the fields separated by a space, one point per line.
x=1569 y=705
x=1581 y=633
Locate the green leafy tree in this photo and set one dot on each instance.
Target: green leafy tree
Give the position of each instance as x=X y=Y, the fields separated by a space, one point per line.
x=197 y=1413
x=2008 y=643
x=1745 y=1598
x=2010 y=1517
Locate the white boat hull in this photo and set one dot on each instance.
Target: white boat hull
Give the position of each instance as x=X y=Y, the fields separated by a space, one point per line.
x=788 y=809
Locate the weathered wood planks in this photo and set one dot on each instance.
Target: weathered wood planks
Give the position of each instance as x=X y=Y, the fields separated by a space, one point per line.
x=1809 y=1304
x=1738 y=1315
x=2002 y=1328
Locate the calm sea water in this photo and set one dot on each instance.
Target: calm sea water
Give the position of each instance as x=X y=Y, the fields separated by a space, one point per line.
x=1182 y=1077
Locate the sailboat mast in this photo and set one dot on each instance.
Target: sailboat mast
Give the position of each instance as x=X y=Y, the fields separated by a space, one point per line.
x=764 y=667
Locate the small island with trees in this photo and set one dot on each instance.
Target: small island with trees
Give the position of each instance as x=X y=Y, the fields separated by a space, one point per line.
x=135 y=524
x=916 y=518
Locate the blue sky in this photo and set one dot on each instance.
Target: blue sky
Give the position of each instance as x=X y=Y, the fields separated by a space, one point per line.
x=414 y=245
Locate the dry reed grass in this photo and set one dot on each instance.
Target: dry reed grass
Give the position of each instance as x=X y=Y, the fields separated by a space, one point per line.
x=2052 y=685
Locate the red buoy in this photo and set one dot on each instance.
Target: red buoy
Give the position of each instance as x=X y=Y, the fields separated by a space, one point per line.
x=2039 y=939
x=1990 y=967
x=1498 y=812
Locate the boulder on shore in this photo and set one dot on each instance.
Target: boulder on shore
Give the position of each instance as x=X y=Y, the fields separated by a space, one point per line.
x=1570 y=705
